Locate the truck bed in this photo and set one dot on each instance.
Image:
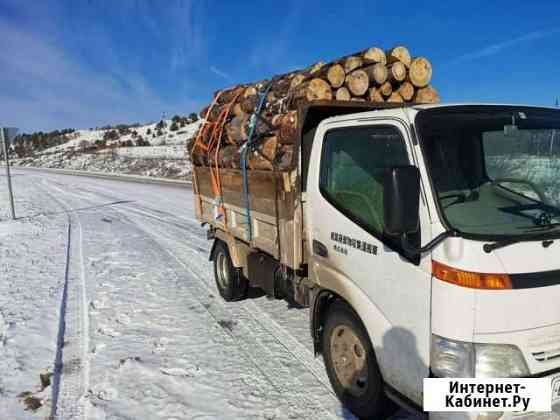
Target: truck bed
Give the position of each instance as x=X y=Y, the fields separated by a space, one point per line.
x=276 y=214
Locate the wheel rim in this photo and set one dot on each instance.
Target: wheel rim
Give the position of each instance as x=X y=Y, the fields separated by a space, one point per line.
x=349 y=359
x=222 y=270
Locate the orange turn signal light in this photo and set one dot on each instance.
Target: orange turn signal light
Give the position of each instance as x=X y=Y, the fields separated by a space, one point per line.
x=470 y=279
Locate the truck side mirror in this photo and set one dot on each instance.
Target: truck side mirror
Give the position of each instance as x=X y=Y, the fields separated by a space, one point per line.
x=401 y=200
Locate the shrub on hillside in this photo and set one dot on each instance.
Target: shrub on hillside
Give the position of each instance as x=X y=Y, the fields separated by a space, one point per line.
x=174 y=126
x=111 y=135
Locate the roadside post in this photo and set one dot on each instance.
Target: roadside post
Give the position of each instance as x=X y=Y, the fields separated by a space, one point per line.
x=6 y=135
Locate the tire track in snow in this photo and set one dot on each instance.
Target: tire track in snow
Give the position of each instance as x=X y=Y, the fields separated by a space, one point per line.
x=71 y=373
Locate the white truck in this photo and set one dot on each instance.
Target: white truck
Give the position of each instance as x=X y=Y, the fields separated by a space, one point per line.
x=425 y=239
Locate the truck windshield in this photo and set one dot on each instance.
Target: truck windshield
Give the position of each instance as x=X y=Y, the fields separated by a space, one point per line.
x=495 y=170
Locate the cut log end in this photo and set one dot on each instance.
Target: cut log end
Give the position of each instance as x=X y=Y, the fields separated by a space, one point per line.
x=397 y=72
x=406 y=90
x=357 y=82
x=386 y=89
x=427 y=95
x=395 y=98
x=352 y=63
x=377 y=73
x=343 y=94
x=420 y=73
x=336 y=75
x=399 y=53
x=375 y=55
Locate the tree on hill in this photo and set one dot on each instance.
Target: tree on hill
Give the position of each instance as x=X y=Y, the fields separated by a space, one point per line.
x=174 y=126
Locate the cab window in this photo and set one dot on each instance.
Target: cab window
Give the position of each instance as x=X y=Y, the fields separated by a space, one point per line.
x=353 y=166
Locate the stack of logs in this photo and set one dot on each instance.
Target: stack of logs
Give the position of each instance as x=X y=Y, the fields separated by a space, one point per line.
x=372 y=75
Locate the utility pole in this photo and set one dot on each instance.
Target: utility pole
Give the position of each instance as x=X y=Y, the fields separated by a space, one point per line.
x=4 y=138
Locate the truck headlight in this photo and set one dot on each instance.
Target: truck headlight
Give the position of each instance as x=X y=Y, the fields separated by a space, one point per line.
x=499 y=361
x=457 y=359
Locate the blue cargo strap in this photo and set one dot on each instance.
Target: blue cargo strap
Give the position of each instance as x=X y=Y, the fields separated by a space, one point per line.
x=246 y=148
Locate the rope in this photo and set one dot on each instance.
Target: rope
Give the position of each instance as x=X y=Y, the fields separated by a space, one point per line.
x=246 y=148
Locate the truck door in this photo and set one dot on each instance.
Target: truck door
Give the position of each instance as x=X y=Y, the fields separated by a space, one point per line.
x=350 y=254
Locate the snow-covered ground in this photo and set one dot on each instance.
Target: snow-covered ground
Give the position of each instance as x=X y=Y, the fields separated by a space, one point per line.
x=107 y=289
x=164 y=157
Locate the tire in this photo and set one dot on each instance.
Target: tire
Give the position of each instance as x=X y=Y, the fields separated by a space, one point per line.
x=231 y=283
x=351 y=364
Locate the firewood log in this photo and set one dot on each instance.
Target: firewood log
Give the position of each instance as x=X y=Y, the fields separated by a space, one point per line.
x=399 y=54
x=375 y=55
x=386 y=89
x=426 y=95
x=375 y=95
x=377 y=73
x=395 y=97
x=315 y=89
x=336 y=75
x=288 y=127
x=357 y=82
x=406 y=90
x=296 y=81
x=397 y=72
x=342 y=94
x=249 y=104
x=285 y=157
x=420 y=72
x=352 y=63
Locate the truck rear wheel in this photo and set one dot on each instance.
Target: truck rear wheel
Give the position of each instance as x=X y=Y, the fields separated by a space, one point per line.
x=351 y=364
x=229 y=280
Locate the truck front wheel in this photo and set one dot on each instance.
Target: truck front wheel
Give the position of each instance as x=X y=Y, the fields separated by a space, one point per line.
x=351 y=364
x=229 y=280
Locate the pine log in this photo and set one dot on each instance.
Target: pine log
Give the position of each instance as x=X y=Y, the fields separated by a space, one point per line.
x=296 y=81
x=276 y=120
x=375 y=55
x=250 y=91
x=342 y=94
x=316 y=68
x=235 y=129
x=288 y=127
x=357 y=82
x=375 y=95
x=377 y=73
x=426 y=95
x=336 y=75
x=228 y=155
x=265 y=155
x=406 y=90
x=315 y=89
x=395 y=97
x=357 y=99
x=420 y=72
x=399 y=54
x=249 y=104
x=257 y=162
x=352 y=63
x=236 y=109
x=285 y=157
x=386 y=89
x=397 y=72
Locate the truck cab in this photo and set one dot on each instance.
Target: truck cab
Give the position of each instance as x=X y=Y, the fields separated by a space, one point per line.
x=433 y=246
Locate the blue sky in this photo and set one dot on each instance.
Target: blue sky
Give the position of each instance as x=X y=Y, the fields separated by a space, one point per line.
x=86 y=63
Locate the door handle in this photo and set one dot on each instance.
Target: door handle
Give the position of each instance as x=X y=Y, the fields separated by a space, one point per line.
x=320 y=249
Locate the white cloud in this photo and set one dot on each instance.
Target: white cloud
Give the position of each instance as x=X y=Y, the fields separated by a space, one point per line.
x=220 y=73
x=496 y=48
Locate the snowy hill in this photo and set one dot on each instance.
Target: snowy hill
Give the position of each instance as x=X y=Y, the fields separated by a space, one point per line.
x=156 y=149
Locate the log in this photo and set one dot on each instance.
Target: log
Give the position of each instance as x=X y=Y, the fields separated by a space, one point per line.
x=296 y=81
x=236 y=110
x=397 y=72
x=426 y=95
x=377 y=73
x=399 y=53
x=386 y=89
x=249 y=104
x=268 y=147
x=375 y=55
x=229 y=155
x=288 y=127
x=352 y=63
x=357 y=82
x=336 y=75
x=235 y=129
x=420 y=73
x=342 y=94
x=250 y=91
x=285 y=157
x=395 y=97
x=357 y=99
x=375 y=95
x=406 y=90
x=315 y=89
